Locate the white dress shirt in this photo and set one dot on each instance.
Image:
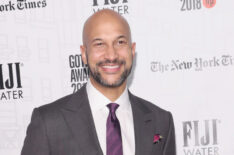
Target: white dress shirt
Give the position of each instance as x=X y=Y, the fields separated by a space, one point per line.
x=100 y=113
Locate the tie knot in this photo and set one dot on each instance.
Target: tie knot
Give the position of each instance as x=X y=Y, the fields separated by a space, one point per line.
x=112 y=107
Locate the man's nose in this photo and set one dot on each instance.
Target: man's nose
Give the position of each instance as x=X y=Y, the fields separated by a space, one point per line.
x=111 y=53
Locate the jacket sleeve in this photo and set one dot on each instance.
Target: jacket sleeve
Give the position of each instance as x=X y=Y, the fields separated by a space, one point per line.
x=170 y=145
x=36 y=141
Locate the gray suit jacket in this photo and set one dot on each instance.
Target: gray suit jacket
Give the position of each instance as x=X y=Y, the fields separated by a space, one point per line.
x=66 y=127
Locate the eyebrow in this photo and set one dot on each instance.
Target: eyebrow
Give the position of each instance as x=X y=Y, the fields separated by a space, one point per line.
x=119 y=37
x=96 y=39
x=122 y=36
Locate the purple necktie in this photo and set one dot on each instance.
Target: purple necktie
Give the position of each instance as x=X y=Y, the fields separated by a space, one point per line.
x=113 y=132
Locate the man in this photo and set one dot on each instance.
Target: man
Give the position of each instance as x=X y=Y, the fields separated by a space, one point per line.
x=103 y=117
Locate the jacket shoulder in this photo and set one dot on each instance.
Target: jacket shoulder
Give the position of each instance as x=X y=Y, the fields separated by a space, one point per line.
x=148 y=106
x=64 y=101
x=56 y=104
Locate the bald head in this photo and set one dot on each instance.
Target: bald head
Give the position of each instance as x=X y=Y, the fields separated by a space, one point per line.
x=103 y=18
x=108 y=51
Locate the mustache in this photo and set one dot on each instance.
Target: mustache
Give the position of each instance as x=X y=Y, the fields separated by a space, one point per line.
x=115 y=61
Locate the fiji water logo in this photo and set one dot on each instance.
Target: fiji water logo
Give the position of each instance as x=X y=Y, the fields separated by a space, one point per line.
x=189 y=5
x=10 y=81
x=120 y=6
x=201 y=137
x=14 y=78
x=107 y=2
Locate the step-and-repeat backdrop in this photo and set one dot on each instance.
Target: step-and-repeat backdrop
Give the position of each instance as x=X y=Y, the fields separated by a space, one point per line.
x=184 y=64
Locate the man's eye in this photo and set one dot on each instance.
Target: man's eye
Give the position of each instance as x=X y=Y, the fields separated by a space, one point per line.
x=121 y=42
x=98 y=44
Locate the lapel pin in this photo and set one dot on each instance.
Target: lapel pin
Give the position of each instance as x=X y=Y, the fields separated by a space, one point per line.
x=157 y=138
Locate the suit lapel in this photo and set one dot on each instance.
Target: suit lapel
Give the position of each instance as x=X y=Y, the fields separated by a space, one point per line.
x=78 y=116
x=144 y=126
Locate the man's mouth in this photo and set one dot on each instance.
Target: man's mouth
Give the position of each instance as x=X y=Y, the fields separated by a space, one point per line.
x=110 y=68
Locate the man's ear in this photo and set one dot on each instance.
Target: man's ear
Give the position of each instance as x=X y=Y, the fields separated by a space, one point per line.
x=133 y=49
x=83 y=54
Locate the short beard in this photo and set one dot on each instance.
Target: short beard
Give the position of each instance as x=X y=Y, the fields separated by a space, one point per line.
x=98 y=78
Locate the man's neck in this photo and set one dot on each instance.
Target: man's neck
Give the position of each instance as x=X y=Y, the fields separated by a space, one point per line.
x=111 y=93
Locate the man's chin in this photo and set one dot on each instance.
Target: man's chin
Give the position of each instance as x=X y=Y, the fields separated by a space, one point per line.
x=109 y=80
x=111 y=84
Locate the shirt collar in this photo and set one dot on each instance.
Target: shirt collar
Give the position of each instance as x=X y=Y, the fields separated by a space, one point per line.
x=98 y=101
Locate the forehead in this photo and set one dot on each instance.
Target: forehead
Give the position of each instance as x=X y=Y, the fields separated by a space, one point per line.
x=109 y=28
x=105 y=27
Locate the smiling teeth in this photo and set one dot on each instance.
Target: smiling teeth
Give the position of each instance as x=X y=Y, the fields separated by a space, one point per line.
x=110 y=67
